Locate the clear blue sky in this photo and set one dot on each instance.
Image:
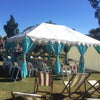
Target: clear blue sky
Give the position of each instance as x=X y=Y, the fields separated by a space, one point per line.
x=77 y=14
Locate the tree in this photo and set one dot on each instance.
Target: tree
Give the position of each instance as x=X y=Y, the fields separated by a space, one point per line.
x=96 y=5
x=0 y=37
x=5 y=38
x=95 y=33
x=11 y=27
x=30 y=27
x=50 y=22
x=34 y=26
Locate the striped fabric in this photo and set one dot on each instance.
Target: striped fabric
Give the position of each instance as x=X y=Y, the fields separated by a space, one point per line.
x=78 y=80
x=45 y=78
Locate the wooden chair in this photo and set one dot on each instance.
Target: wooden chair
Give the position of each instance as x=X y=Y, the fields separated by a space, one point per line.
x=44 y=79
x=28 y=96
x=94 y=86
x=74 y=84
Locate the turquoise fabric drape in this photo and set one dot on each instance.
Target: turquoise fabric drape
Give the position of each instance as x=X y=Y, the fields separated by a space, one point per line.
x=49 y=50
x=12 y=56
x=66 y=51
x=97 y=49
x=57 y=48
x=82 y=49
x=30 y=51
x=26 y=45
x=12 y=46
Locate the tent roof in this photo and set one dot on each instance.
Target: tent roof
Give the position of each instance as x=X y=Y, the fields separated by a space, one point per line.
x=45 y=33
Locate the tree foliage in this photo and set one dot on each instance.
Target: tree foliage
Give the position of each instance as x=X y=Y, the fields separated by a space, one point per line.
x=95 y=33
x=50 y=22
x=96 y=5
x=30 y=27
x=34 y=26
x=0 y=37
x=11 y=27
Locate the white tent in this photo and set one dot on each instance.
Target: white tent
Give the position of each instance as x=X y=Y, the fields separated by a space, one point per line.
x=57 y=36
x=45 y=33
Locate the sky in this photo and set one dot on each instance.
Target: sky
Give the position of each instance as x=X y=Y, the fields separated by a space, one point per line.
x=75 y=14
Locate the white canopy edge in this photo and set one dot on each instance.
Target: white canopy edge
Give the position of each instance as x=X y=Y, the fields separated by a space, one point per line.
x=45 y=33
x=17 y=38
x=43 y=41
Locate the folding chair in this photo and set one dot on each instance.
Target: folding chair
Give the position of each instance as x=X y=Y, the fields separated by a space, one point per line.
x=16 y=73
x=5 y=63
x=10 y=67
x=75 y=83
x=30 y=68
x=94 y=86
x=44 y=79
x=28 y=96
x=19 y=62
x=45 y=68
x=66 y=70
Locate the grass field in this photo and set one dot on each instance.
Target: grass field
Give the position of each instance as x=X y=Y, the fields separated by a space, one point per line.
x=92 y=61
x=27 y=85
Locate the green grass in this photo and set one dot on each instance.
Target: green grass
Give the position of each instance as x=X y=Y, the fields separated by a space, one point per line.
x=92 y=61
x=27 y=85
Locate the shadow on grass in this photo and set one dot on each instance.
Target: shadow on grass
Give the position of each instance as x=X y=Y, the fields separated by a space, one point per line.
x=55 y=96
x=4 y=76
x=17 y=98
x=57 y=77
x=6 y=80
x=58 y=96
